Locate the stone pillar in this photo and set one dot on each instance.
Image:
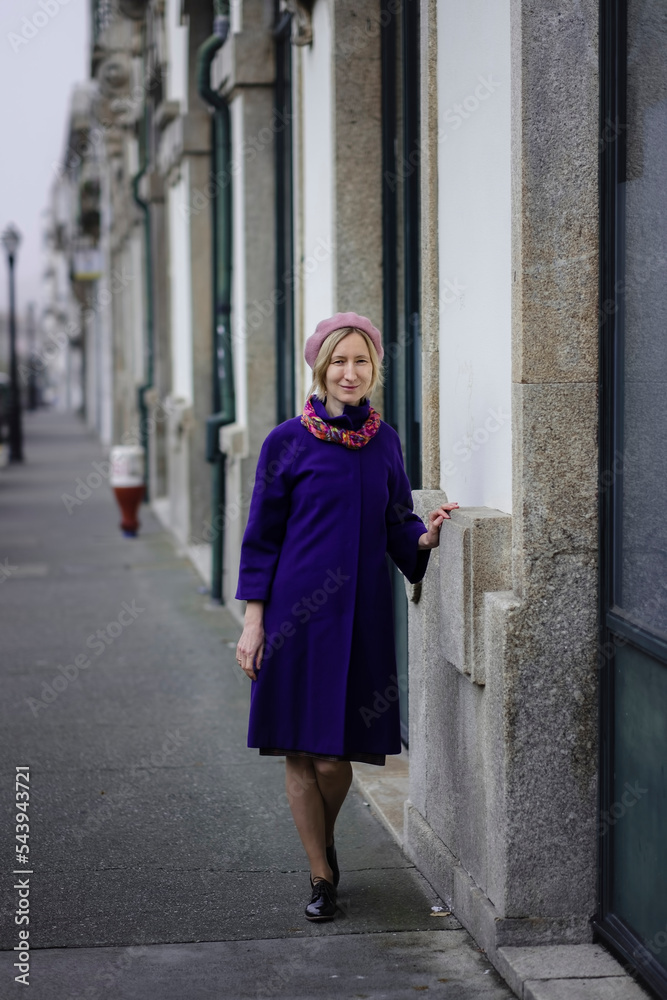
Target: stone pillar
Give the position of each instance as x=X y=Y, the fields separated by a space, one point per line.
x=244 y=73
x=430 y=290
x=357 y=123
x=199 y=472
x=550 y=682
x=184 y=162
x=153 y=192
x=502 y=814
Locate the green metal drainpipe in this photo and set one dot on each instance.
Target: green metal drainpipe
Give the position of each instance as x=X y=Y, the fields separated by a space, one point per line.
x=148 y=384
x=223 y=395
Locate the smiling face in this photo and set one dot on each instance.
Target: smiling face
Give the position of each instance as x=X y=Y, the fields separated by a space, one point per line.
x=350 y=370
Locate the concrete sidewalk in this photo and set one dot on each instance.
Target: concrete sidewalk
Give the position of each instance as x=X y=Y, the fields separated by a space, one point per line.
x=164 y=857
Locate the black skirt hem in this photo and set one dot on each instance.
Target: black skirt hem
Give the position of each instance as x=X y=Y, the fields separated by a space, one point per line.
x=361 y=757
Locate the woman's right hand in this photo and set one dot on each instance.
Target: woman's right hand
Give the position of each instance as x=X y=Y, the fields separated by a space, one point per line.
x=250 y=647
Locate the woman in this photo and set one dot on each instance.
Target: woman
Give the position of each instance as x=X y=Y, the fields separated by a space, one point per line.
x=331 y=497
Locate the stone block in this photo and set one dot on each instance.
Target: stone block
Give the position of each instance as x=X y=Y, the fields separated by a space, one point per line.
x=165 y=113
x=555 y=192
x=246 y=59
x=500 y=609
x=430 y=294
x=555 y=483
x=433 y=858
x=475 y=559
x=186 y=134
x=556 y=961
x=454 y=592
x=427 y=500
x=471 y=904
x=357 y=123
x=151 y=187
x=533 y=931
x=431 y=427
x=233 y=440
x=179 y=423
x=616 y=988
x=424 y=653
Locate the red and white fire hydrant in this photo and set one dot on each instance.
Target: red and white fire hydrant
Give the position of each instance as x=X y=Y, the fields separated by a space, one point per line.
x=127 y=481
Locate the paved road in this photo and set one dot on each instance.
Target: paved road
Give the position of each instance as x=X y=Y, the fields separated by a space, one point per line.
x=164 y=857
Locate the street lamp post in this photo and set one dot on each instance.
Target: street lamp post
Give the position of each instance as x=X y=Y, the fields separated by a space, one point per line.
x=10 y=240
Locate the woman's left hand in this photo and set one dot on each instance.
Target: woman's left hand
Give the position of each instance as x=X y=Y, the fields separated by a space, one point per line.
x=431 y=539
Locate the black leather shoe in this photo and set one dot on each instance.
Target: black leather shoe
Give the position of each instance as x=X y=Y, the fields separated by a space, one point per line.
x=333 y=863
x=322 y=905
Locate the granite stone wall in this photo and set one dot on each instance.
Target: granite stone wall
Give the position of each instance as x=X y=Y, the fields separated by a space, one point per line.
x=503 y=639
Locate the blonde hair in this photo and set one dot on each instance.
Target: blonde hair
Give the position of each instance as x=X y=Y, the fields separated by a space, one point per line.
x=325 y=355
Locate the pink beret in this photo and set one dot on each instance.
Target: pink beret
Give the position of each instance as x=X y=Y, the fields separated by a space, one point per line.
x=337 y=322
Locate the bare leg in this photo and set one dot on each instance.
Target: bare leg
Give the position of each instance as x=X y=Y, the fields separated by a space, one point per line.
x=308 y=811
x=334 y=778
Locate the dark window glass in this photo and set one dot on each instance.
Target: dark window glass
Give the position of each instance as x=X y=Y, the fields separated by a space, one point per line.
x=401 y=278
x=636 y=819
x=283 y=115
x=641 y=517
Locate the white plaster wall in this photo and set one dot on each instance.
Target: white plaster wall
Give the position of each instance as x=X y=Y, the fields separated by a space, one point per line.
x=177 y=55
x=136 y=288
x=105 y=333
x=236 y=15
x=240 y=330
x=315 y=258
x=126 y=337
x=475 y=251
x=105 y=321
x=180 y=286
x=92 y=369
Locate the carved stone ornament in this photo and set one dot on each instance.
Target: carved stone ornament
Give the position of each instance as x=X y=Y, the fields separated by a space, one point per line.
x=113 y=75
x=135 y=10
x=302 y=20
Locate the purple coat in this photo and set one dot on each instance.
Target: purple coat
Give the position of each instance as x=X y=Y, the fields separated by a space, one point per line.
x=322 y=517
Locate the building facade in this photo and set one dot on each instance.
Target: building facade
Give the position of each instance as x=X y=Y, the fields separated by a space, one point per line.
x=485 y=182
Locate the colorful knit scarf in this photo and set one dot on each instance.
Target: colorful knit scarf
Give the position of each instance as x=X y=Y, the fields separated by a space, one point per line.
x=341 y=435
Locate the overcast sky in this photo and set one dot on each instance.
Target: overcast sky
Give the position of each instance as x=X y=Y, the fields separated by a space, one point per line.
x=36 y=79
